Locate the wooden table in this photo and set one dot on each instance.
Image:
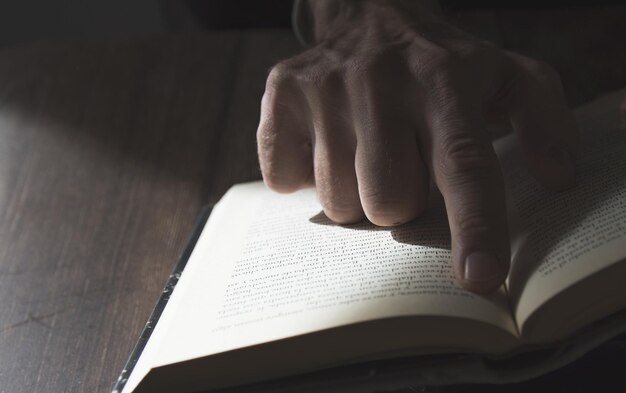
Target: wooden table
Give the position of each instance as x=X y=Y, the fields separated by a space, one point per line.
x=108 y=150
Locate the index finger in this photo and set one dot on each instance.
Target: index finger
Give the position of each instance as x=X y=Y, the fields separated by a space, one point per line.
x=466 y=171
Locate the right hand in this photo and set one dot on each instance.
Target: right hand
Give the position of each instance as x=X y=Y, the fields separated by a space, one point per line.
x=387 y=100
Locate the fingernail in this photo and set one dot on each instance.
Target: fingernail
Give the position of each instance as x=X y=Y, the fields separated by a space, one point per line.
x=481 y=266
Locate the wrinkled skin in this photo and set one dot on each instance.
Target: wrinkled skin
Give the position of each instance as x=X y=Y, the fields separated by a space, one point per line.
x=387 y=101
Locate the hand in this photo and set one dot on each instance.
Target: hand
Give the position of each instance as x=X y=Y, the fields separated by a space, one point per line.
x=392 y=96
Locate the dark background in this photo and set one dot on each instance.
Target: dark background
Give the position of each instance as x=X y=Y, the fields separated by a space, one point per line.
x=28 y=21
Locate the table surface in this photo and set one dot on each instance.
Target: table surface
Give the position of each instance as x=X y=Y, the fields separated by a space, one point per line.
x=108 y=150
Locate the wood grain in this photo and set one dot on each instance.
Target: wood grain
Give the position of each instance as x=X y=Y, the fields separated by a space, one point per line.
x=107 y=152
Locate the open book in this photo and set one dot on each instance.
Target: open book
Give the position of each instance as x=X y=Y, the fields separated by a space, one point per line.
x=274 y=289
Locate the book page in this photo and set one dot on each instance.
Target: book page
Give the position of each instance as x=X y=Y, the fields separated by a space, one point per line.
x=275 y=267
x=562 y=238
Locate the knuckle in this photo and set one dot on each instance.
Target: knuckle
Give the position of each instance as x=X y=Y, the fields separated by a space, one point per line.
x=282 y=106
x=374 y=64
x=437 y=65
x=472 y=220
x=441 y=68
x=281 y=88
x=280 y=76
x=280 y=183
x=313 y=77
x=363 y=69
x=325 y=78
x=341 y=204
x=464 y=156
x=341 y=211
x=337 y=205
x=385 y=210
